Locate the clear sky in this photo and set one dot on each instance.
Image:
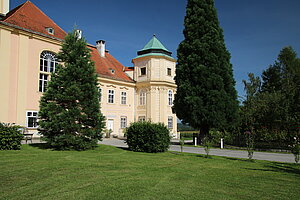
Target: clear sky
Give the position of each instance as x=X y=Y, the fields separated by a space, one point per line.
x=255 y=30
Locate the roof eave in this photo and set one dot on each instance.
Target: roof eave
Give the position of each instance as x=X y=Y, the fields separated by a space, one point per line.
x=30 y=31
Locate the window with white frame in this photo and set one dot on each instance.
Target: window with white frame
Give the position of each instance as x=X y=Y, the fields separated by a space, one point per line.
x=43 y=82
x=170 y=122
x=142 y=118
x=170 y=98
x=111 y=96
x=123 y=98
x=123 y=122
x=31 y=119
x=48 y=63
x=142 y=97
x=50 y=30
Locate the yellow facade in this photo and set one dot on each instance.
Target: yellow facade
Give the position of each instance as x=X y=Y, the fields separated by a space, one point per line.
x=157 y=84
x=20 y=57
x=20 y=52
x=114 y=111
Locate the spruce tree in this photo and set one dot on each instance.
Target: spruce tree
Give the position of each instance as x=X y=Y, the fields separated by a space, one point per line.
x=206 y=97
x=69 y=116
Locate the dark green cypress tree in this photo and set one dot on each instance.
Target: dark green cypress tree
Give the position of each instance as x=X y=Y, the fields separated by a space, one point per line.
x=206 y=97
x=69 y=116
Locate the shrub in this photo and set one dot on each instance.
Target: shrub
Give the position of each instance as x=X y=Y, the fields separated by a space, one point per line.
x=10 y=137
x=148 y=137
x=250 y=143
x=295 y=148
x=207 y=143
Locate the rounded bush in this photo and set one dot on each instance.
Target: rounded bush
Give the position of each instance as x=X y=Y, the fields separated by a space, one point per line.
x=10 y=137
x=148 y=137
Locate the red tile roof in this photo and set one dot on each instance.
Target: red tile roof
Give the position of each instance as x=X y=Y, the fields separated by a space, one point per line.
x=30 y=17
x=105 y=65
x=128 y=69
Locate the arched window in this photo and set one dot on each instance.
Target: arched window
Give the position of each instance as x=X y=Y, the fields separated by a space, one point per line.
x=142 y=97
x=48 y=62
x=170 y=98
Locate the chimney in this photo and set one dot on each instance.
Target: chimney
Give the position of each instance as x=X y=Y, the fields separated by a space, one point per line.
x=4 y=7
x=78 y=34
x=100 y=44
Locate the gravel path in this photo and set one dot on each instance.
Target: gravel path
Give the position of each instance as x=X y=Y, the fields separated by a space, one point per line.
x=279 y=157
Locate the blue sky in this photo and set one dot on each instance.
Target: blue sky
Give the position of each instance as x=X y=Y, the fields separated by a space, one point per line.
x=255 y=30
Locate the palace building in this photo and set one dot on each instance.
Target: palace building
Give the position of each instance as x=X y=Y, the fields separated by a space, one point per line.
x=29 y=42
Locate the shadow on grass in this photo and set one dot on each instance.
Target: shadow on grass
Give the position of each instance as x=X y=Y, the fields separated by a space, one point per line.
x=290 y=168
x=124 y=148
x=241 y=159
x=284 y=168
x=204 y=156
x=40 y=145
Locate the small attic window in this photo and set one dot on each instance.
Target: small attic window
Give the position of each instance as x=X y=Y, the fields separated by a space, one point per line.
x=50 y=30
x=112 y=70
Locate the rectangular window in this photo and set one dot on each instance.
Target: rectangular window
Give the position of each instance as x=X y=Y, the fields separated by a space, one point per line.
x=100 y=93
x=31 y=119
x=170 y=98
x=111 y=96
x=142 y=98
x=170 y=122
x=45 y=66
x=142 y=118
x=41 y=65
x=123 y=122
x=143 y=71
x=123 y=98
x=169 y=71
x=52 y=66
x=43 y=82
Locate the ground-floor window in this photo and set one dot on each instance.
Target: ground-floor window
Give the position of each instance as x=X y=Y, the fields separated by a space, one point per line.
x=170 y=122
x=123 y=122
x=31 y=119
x=142 y=118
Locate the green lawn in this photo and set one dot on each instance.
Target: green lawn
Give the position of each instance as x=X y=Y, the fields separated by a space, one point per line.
x=113 y=173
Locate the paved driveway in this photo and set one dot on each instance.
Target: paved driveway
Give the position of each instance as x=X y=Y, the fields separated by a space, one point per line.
x=280 y=157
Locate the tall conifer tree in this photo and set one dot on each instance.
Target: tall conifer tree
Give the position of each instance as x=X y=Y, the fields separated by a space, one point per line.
x=69 y=116
x=206 y=97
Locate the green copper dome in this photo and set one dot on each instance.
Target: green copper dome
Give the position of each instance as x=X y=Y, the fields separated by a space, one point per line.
x=154 y=43
x=154 y=47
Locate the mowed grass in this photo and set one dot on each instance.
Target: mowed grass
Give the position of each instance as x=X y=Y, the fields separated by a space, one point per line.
x=114 y=173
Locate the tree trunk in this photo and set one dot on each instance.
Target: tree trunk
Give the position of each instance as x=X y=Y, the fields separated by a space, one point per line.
x=204 y=130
